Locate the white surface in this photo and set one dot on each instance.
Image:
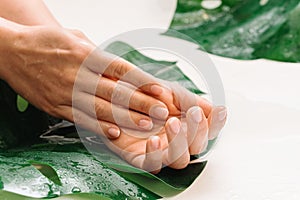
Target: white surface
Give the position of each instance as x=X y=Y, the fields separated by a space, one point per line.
x=257 y=156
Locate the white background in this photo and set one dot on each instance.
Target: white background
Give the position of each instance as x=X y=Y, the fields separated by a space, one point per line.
x=257 y=156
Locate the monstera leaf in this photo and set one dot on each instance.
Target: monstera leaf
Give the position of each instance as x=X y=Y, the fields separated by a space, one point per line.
x=242 y=29
x=69 y=171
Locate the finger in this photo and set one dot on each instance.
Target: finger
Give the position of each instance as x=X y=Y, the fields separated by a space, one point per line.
x=177 y=155
x=205 y=105
x=184 y=99
x=153 y=157
x=102 y=128
x=197 y=130
x=216 y=121
x=105 y=111
x=117 y=68
x=120 y=94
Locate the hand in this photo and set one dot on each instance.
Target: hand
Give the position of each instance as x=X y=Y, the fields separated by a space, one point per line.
x=170 y=144
x=179 y=99
x=44 y=63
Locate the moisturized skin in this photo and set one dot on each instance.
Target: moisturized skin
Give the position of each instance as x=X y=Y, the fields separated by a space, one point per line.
x=42 y=61
x=172 y=144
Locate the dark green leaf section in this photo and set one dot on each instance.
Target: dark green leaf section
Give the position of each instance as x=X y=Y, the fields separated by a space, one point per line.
x=4 y=195
x=77 y=169
x=247 y=29
x=168 y=182
x=18 y=128
x=1 y=184
x=163 y=184
x=164 y=70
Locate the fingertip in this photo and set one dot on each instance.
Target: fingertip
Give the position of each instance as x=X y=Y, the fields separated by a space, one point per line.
x=145 y=124
x=216 y=119
x=153 y=158
x=113 y=132
x=153 y=144
x=196 y=114
x=155 y=171
x=173 y=126
x=222 y=113
x=206 y=105
x=159 y=112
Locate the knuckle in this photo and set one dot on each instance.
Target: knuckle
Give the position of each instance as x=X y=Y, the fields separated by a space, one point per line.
x=118 y=95
x=78 y=118
x=119 y=68
x=77 y=32
x=99 y=109
x=99 y=127
x=101 y=112
x=143 y=106
x=80 y=53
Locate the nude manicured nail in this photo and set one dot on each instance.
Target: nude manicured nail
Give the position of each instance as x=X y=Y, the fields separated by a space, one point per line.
x=157 y=90
x=160 y=112
x=196 y=115
x=114 y=132
x=222 y=114
x=175 y=126
x=145 y=124
x=155 y=142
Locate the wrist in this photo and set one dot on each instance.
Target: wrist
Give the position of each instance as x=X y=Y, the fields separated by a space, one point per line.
x=9 y=33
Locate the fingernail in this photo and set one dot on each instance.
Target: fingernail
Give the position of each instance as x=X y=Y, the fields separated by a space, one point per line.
x=145 y=124
x=196 y=115
x=175 y=126
x=222 y=114
x=157 y=90
x=155 y=142
x=160 y=112
x=114 y=132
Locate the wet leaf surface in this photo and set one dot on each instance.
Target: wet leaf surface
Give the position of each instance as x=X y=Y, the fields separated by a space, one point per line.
x=247 y=29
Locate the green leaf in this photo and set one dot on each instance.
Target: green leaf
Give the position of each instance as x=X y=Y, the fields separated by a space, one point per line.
x=164 y=70
x=244 y=29
x=164 y=184
x=1 y=184
x=4 y=195
x=47 y=171
x=77 y=169
x=22 y=104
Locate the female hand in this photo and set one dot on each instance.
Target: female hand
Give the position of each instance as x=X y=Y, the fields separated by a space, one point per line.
x=42 y=64
x=170 y=144
x=179 y=100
